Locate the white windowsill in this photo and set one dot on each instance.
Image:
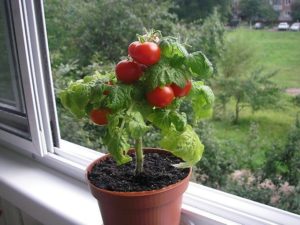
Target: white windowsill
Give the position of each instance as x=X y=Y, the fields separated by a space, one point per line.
x=54 y=198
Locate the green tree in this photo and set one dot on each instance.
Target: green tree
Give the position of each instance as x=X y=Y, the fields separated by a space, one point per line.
x=241 y=81
x=207 y=36
x=62 y=31
x=191 y=10
x=295 y=7
x=100 y=25
x=212 y=36
x=252 y=10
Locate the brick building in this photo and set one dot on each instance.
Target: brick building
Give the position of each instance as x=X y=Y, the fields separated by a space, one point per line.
x=283 y=7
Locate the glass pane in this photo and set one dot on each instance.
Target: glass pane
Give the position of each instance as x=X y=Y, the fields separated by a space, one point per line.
x=252 y=143
x=10 y=90
x=12 y=108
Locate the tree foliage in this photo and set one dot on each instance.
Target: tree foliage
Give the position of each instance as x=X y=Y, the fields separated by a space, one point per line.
x=295 y=7
x=100 y=25
x=192 y=10
x=243 y=82
x=253 y=10
x=208 y=36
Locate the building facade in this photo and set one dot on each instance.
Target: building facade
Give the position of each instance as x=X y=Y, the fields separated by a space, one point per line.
x=283 y=7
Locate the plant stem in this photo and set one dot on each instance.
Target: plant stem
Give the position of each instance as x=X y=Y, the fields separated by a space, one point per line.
x=139 y=156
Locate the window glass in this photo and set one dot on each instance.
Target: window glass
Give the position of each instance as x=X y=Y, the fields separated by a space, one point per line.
x=252 y=141
x=12 y=108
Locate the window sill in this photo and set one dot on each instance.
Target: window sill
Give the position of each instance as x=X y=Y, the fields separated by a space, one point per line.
x=54 y=198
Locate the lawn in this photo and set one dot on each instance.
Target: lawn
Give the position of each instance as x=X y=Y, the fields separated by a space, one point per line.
x=276 y=51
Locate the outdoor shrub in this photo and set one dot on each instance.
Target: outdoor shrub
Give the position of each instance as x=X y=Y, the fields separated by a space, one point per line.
x=214 y=168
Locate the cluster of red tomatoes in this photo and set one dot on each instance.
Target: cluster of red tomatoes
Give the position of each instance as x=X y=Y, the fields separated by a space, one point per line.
x=142 y=55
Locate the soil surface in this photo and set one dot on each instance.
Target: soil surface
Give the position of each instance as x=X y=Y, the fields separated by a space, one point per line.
x=158 y=173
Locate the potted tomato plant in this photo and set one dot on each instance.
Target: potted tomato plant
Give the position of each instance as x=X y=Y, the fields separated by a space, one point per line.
x=139 y=185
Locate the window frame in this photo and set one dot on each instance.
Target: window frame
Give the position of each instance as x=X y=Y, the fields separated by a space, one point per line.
x=34 y=64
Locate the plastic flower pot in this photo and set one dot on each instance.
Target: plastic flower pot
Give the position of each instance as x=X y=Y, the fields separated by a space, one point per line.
x=157 y=207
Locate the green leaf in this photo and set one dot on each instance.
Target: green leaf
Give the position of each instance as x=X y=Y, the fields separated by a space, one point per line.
x=83 y=95
x=118 y=146
x=202 y=98
x=76 y=98
x=116 y=139
x=163 y=73
x=185 y=145
x=178 y=120
x=136 y=126
x=199 y=65
x=171 y=48
x=164 y=119
x=119 y=97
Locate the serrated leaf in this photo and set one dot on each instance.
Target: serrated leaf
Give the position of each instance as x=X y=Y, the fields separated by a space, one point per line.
x=80 y=96
x=163 y=73
x=199 y=64
x=118 y=146
x=185 y=145
x=164 y=119
x=116 y=139
x=136 y=126
x=76 y=98
x=202 y=99
x=119 y=97
x=179 y=120
x=170 y=48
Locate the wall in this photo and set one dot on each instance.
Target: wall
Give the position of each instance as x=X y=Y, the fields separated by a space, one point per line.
x=11 y=215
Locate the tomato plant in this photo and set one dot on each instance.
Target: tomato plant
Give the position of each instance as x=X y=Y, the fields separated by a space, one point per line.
x=109 y=83
x=128 y=72
x=160 y=64
x=161 y=96
x=99 y=116
x=179 y=91
x=147 y=53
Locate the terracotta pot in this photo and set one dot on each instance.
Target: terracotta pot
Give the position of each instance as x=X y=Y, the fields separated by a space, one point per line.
x=158 y=207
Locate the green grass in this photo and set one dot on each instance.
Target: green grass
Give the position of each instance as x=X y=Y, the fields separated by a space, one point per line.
x=273 y=124
x=276 y=51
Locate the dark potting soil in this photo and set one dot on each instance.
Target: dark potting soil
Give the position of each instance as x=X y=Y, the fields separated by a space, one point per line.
x=158 y=173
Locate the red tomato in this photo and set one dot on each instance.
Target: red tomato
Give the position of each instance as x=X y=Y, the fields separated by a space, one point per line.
x=132 y=46
x=161 y=96
x=147 y=53
x=180 y=92
x=99 y=116
x=128 y=72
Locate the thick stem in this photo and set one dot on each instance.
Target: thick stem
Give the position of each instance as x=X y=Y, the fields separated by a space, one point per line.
x=139 y=156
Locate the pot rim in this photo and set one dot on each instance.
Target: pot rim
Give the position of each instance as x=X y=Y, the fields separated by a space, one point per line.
x=134 y=193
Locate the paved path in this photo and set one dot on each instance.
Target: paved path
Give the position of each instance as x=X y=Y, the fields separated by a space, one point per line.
x=293 y=91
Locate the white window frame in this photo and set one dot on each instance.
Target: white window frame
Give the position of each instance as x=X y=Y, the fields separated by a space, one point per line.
x=72 y=159
x=28 y=54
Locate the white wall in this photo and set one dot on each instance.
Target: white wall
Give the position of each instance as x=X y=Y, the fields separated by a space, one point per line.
x=11 y=215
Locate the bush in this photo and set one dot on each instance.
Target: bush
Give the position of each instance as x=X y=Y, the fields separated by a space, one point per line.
x=284 y=163
x=216 y=165
x=252 y=186
x=296 y=100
